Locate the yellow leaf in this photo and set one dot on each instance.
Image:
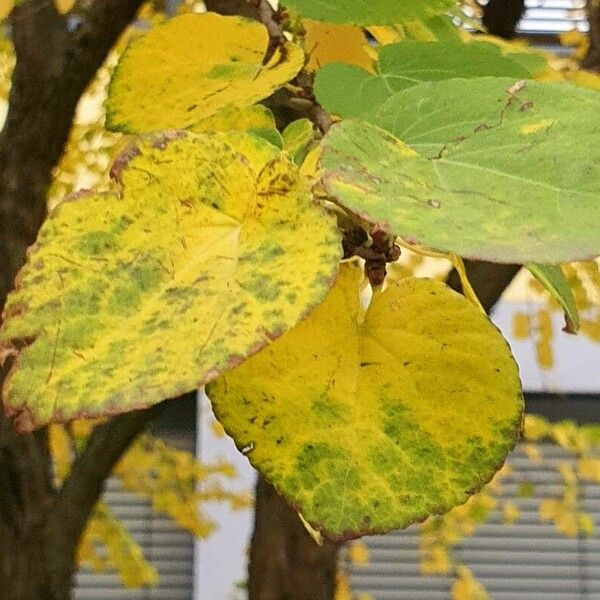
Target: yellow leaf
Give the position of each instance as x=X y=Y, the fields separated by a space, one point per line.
x=328 y=42
x=567 y=523
x=536 y=428
x=578 y=40
x=177 y=484
x=64 y=6
x=437 y=561
x=533 y=452
x=5 y=8
x=589 y=468
x=309 y=168
x=342 y=586
x=521 y=329
x=217 y=429
x=122 y=551
x=238 y=119
x=548 y=509
x=192 y=67
x=510 y=513
x=226 y=250
x=567 y=473
x=384 y=34
x=358 y=553
x=466 y=587
x=62 y=451
x=582 y=78
x=428 y=437
x=296 y=139
x=585 y=524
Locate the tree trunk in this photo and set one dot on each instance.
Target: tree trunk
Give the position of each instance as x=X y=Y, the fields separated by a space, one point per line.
x=592 y=60
x=57 y=55
x=285 y=562
x=500 y=17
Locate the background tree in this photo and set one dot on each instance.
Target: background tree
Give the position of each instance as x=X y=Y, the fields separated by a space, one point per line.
x=57 y=55
x=500 y=17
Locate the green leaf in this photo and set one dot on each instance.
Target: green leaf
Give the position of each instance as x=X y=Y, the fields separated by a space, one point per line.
x=367 y=423
x=374 y=12
x=268 y=134
x=190 y=68
x=297 y=137
x=209 y=249
x=554 y=280
x=486 y=168
x=350 y=91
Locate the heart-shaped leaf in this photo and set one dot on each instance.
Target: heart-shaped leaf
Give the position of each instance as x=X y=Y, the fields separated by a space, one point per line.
x=404 y=65
x=371 y=424
x=211 y=248
x=486 y=168
x=190 y=68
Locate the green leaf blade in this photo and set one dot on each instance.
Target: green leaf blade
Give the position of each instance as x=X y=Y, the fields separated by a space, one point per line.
x=351 y=92
x=555 y=282
x=476 y=167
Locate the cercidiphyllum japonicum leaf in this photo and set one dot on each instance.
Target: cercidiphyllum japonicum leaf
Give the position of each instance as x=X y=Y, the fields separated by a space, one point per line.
x=349 y=91
x=370 y=425
x=555 y=282
x=327 y=42
x=212 y=247
x=374 y=12
x=486 y=168
x=193 y=66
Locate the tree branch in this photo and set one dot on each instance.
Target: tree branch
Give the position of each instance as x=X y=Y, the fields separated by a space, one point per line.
x=84 y=485
x=592 y=60
x=57 y=57
x=489 y=280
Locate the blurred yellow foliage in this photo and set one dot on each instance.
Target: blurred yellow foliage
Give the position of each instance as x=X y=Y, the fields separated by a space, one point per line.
x=584 y=281
x=121 y=550
x=174 y=482
x=466 y=587
x=358 y=553
x=577 y=40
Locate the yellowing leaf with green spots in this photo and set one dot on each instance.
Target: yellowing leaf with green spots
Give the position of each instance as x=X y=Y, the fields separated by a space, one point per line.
x=476 y=167
x=234 y=118
x=367 y=423
x=193 y=66
x=210 y=248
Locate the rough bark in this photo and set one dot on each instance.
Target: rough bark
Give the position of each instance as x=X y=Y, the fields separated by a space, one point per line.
x=500 y=17
x=592 y=59
x=285 y=562
x=57 y=55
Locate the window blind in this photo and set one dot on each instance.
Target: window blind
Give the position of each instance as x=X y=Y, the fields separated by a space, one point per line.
x=553 y=16
x=526 y=561
x=165 y=545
